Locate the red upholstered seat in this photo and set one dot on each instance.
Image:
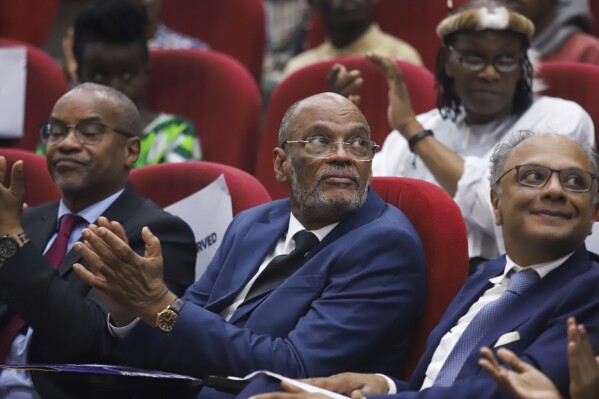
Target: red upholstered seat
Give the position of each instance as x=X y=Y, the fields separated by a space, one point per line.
x=39 y=186
x=45 y=84
x=232 y=27
x=577 y=82
x=168 y=183
x=441 y=228
x=410 y=20
x=216 y=93
x=312 y=80
x=27 y=20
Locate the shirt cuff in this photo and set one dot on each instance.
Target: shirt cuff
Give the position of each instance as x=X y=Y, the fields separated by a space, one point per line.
x=121 y=332
x=390 y=383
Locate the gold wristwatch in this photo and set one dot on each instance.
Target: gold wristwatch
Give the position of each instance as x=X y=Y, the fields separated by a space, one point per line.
x=166 y=318
x=9 y=244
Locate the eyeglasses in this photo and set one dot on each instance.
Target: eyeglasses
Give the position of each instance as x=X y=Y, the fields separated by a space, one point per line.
x=324 y=147
x=86 y=132
x=572 y=179
x=475 y=63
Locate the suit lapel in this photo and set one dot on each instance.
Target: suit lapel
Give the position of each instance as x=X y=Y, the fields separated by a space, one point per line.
x=258 y=241
x=529 y=302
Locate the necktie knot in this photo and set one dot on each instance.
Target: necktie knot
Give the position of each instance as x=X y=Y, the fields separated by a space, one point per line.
x=305 y=241
x=522 y=280
x=68 y=223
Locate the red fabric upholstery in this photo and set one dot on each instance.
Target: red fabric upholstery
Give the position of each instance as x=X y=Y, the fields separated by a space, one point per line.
x=441 y=228
x=412 y=21
x=312 y=80
x=39 y=186
x=27 y=20
x=168 y=183
x=45 y=84
x=232 y=27
x=576 y=82
x=217 y=94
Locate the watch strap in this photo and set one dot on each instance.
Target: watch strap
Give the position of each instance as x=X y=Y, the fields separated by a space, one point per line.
x=412 y=141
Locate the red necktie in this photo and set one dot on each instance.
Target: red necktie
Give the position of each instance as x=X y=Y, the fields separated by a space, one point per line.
x=55 y=254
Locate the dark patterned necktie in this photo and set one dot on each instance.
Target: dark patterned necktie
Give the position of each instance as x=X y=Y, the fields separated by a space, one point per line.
x=482 y=323
x=283 y=266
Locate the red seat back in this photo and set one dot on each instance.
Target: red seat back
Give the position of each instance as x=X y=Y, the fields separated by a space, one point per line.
x=216 y=93
x=168 y=183
x=27 y=20
x=39 y=186
x=232 y=27
x=576 y=82
x=441 y=228
x=312 y=80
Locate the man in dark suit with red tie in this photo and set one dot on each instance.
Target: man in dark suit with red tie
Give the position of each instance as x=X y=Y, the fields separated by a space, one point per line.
x=47 y=314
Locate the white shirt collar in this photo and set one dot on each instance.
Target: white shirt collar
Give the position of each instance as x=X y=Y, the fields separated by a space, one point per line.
x=295 y=226
x=92 y=212
x=542 y=269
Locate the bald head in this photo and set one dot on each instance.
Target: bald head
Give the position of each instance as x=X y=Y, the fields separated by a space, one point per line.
x=318 y=101
x=127 y=113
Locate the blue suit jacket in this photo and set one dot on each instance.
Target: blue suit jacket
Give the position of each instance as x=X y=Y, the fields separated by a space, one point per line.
x=353 y=305
x=539 y=316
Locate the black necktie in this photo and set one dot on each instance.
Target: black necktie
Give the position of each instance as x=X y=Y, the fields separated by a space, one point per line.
x=283 y=266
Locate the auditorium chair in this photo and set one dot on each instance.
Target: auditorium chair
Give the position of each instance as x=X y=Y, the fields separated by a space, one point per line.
x=217 y=94
x=39 y=186
x=440 y=225
x=576 y=82
x=45 y=84
x=168 y=183
x=312 y=80
x=232 y=27
x=27 y=20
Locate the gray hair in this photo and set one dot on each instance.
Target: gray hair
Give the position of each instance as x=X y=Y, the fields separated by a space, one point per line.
x=505 y=146
x=284 y=128
x=131 y=120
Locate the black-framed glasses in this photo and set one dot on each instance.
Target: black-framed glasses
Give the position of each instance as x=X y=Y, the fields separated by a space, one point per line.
x=572 y=179
x=86 y=132
x=504 y=63
x=324 y=147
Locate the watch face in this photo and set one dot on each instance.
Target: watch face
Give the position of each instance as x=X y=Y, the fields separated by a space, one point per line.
x=166 y=320
x=8 y=247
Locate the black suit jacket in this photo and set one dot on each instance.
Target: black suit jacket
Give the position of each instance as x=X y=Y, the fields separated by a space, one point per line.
x=68 y=318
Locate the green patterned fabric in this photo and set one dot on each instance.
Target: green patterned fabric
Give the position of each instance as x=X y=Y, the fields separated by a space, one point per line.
x=168 y=138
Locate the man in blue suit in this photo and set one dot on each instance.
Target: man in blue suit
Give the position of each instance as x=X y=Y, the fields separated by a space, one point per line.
x=544 y=195
x=353 y=303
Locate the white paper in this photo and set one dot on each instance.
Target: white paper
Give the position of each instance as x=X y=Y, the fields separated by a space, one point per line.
x=13 y=75
x=208 y=212
x=301 y=385
x=592 y=241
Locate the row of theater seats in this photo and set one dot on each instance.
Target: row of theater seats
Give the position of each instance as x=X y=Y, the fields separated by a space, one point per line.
x=237 y=28
x=221 y=98
x=431 y=210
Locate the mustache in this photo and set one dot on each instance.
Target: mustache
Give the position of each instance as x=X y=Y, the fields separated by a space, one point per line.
x=339 y=171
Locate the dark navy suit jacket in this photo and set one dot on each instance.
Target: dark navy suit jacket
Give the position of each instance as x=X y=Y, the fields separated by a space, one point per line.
x=353 y=305
x=539 y=316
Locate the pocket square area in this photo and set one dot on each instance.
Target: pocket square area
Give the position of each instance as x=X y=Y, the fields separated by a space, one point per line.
x=507 y=338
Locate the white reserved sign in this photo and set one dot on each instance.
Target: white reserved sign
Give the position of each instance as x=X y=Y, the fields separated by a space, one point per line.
x=208 y=212
x=13 y=75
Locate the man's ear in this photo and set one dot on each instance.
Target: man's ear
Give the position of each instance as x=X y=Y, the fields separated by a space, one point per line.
x=496 y=210
x=132 y=150
x=280 y=164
